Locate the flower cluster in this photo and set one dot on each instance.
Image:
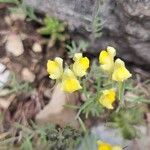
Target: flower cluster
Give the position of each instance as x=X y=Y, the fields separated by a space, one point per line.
x=116 y=70
x=68 y=77
x=107 y=146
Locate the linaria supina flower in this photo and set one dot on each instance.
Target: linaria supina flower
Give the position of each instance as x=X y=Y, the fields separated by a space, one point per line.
x=69 y=81
x=120 y=72
x=107 y=98
x=107 y=146
x=55 y=68
x=106 y=59
x=80 y=65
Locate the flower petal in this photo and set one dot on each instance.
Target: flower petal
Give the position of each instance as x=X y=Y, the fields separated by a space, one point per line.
x=77 y=56
x=59 y=61
x=69 y=81
x=120 y=72
x=107 y=146
x=106 y=59
x=68 y=73
x=54 y=68
x=104 y=146
x=103 y=57
x=116 y=148
x=80 y=66
x=111 y=51
x=107 y=98
x=70 y=85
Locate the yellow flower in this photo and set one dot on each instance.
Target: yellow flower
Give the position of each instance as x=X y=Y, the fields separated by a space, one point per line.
x=55 y=68
x=107 y=146
x=106 y=59
x=107 y=98
x=120 y=72
x=116 y=148
x=69 y=81
x=104 y=146
x=80 y=65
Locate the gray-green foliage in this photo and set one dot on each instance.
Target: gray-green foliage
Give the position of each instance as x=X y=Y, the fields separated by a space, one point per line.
x=96 y=26
x=125 y=120
x=137 y=93
x=21 y=7
x=99 y=81
x=52 y=27
x=75 y=47
x=47 y=137
x=14 y=86
x=89 y=142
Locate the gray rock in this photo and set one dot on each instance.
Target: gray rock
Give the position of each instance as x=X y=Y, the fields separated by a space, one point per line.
x=4 y=75
x=126 y=23
x=113 y=136
x=110 y=135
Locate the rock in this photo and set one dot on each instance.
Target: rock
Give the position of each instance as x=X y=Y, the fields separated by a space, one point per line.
x=107 y=134
x=14 y=16
x=126 y=24
x=4 y=135
x=18 y=15
x=37 y=47
x=14 y=44
x=5 y=102
x=4 y=74
x=56 y=113
x=48 y=93
x=114 y=137
x=23 y=36
x=8 y=20
x=2 y=68
x=27 y=75
x=4 y=92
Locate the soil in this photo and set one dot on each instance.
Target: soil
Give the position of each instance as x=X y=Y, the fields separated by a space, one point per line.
x=35 y=62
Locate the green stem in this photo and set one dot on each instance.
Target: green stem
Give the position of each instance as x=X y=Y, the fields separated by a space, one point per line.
x=82 y=108
x=98 y=84
x=121 y=94
x=82 y=124
x=71 y=106
x=120 y=90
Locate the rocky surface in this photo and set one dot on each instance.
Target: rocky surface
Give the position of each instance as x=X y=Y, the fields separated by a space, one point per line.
x=126 y=24
x=4 y=75
x=114 y=137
